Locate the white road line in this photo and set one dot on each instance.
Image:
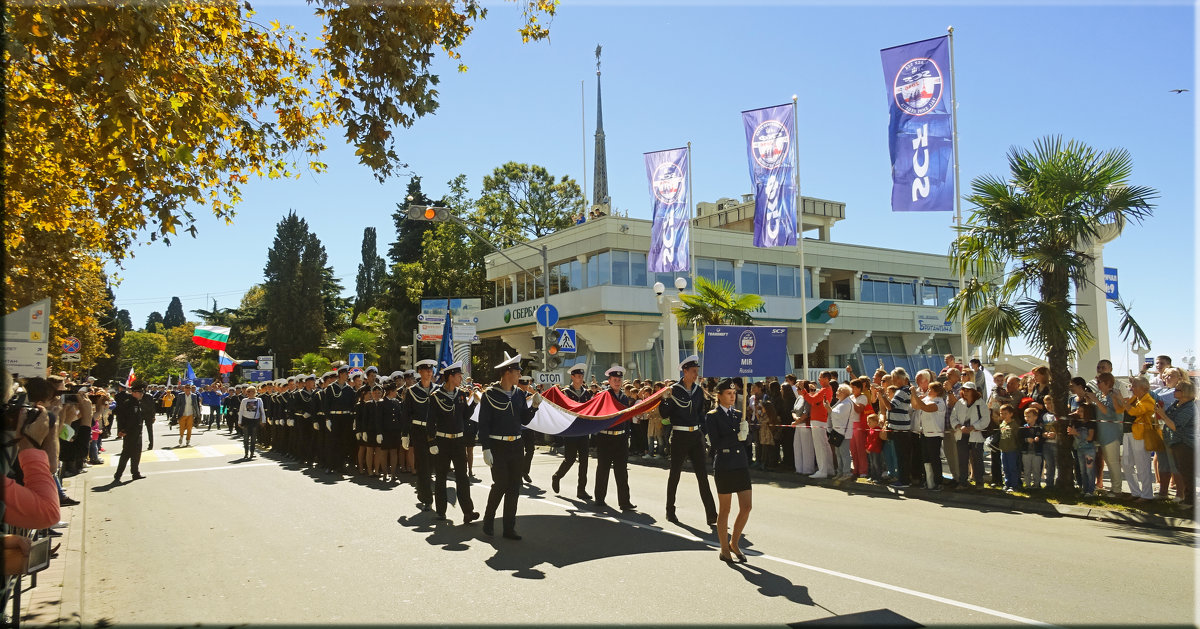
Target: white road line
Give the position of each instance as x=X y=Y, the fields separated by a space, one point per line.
x=833 y=573
x=216 y=469
x=209 y=451
x=165 y=455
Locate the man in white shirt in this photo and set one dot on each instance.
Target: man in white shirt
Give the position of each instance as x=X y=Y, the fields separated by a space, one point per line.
x=185 y=407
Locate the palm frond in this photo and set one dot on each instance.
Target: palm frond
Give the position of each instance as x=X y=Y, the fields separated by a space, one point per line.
x=1129 y=326
x=993 y=326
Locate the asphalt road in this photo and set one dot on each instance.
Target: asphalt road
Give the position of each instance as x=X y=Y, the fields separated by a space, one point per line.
x=207 y=539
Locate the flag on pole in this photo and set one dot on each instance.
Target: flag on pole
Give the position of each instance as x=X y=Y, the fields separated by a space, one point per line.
x=446 y=349
x=769 y=149
x=211 y=336
x=130 y=379
x=669 y=236
x=189 y=376
x=225 y=362
x=921 y=129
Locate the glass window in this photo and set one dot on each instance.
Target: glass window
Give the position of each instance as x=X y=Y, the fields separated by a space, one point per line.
x=750 y=278
x=667 y=279
x=787 y=281
x=604 y=268
x=706 y=268
x=593 y=271
x=867 y=292
x=637 y=268
x=620 y=267
x=944 y=295
x=908 y=293
x=767 y=282
x=576 y=278
x=725 y=272
x=928 y=295
x=808 y=287
x=537 y=286
x=521 y=286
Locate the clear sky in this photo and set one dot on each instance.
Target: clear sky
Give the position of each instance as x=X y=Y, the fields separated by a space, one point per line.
x=676 y=72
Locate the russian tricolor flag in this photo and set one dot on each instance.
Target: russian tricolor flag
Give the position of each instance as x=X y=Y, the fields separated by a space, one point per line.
x=559 y=415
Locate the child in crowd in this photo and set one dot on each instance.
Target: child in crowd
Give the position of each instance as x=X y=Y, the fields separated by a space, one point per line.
x=889 y=448
x=1031 y=449
x=874 y=449
x=1010 y=447
x=1049 y=441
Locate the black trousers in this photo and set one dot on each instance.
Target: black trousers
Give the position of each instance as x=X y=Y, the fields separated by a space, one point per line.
x=689 y=446
x=418 y=441
x=612 y=452
x=902 y=441
x=577 y=448
x=248 y=433
x=527 y=439
x=149 y=435
x=451 y=451
x=973 y=453
x=931 y=455
x=997 y=466
x=508 y=461
x=131 y=453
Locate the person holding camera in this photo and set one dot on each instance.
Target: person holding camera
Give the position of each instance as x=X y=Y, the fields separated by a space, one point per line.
x=130 y=416
x=33 y=502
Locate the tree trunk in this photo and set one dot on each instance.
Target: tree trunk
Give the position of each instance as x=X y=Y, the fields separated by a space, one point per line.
x=1056 y=292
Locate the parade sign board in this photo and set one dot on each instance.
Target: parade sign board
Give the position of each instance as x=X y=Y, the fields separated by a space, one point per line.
x=743 y=350
x=1110 y=284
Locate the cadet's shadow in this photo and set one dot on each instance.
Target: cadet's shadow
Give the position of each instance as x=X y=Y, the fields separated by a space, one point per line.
x=550 y=540
x=631 y=516
x=319 y=475
x=446 y=534
x=370 y=482
x=771 y=584
x=112 y=484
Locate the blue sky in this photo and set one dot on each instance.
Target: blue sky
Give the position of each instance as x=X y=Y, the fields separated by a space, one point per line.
x=674 y=73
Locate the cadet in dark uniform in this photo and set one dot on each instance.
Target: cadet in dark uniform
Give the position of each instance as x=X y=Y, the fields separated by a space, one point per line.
x=131 y=412
x=685 y=406
x=448 y=415
x=418 y=433
x=576 y=447
x=727 y=430
x=304 y=405
x=503 y=414
x=612 y=448
x=338 y=402
x=391 y=426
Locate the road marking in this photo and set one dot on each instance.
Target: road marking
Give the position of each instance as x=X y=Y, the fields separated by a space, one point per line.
x=796 y=564
x=175 y=454
x=215 y=469
x=160 y=455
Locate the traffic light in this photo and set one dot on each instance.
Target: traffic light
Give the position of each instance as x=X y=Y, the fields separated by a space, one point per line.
x=553 y=358
x=406 y=357
x=426 y=213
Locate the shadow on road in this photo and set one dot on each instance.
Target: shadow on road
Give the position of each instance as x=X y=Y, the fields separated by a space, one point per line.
x=112 y=484
x=874 y=617
x=771 y=584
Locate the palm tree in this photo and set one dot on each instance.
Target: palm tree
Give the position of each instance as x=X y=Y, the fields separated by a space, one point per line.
x=715 y=303
x=217 y=316
x=1026 y=243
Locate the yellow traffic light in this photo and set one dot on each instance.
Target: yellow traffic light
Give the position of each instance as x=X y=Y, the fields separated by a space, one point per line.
x=430 y=213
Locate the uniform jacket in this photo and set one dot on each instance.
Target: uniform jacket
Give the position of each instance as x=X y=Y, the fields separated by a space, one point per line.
x=502 y=415
x=722 y=427
x=683 y=407
x=129 y=412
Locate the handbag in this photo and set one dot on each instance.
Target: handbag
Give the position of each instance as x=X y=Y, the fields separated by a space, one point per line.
x=1151 y=439
x=835 y=438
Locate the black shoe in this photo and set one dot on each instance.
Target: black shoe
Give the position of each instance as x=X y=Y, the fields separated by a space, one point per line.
x=511 y=535
x=600 y=504
x=554 y=483
x=53 y=533
x=138 y=477
x=628 y=507
x=671 y=517
x=116 y=478
x=489 y=527
x=583 y=495
x=530 y=481
x=470 y=517
x=712 y=519
x=440 y=517
x=64 y=501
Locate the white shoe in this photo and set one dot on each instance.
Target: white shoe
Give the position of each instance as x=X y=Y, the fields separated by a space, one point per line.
x=820 y=475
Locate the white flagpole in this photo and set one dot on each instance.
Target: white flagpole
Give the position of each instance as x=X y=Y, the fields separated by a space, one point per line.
x=691 y=244
x=962 y=282
x=800 y=241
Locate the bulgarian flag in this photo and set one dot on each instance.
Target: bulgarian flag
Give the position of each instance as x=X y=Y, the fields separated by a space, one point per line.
x=211 y=336
x=560 y=416
x=226 y=363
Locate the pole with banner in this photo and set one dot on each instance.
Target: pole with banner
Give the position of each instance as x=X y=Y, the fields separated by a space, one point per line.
x=962 y=280
x=800 y=246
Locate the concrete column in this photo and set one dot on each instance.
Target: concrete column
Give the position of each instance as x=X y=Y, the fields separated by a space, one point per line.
x=1091 y=306
x=816 y=283
x=856 y=286
x=737 y=275
x=512 y=279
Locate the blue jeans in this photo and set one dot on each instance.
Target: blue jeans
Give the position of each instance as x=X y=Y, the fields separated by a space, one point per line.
x=248 y=435
x=889 y=458
x=1087 y=463
x=1050 y=461
x=1011 y=461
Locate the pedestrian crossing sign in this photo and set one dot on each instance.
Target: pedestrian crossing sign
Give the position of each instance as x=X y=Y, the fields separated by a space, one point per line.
x=566 y=341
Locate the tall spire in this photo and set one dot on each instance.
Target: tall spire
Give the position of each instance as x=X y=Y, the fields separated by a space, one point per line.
x=600 y=179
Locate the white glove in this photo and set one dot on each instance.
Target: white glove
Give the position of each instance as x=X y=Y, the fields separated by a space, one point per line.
x=378 y=438
x=362 y=436
x=487 y=457
x=433 y=450
x=291 y=422
x=307 y=415
x=404 y=442
x=537 y=399
x=329 y=424
x=743 y=430
x=316 y=426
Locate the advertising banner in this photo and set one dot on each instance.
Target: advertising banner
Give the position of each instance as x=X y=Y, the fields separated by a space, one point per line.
x=769 y=150
x=920 y=133
x=744 y=350
x=669 y=236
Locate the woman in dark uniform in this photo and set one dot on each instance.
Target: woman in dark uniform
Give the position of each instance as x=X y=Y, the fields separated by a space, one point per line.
x=392 y=428
x=728 y=430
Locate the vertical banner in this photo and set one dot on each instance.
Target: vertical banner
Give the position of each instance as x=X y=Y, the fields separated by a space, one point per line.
x=445 y=350
x=920 y=133
x=769 y=148
x=669 y=236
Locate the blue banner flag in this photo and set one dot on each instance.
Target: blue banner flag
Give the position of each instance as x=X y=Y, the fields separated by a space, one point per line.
x=769 y=148
x=920 y=134
x=733 y=350
x=189 y=375
x=445 y=350
x=669 y=237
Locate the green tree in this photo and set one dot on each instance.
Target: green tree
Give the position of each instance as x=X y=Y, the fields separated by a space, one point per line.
x=716 y=303
x=372 y=272
x=409 y=234
x=1026 y=244
x=106 y=368
x=336 y=308
x=217 y=316
x=521 y=202
x=174 y=316
x=295 y=309
x=147 y=353
x=153 y=321
x=124 y=320
x=249 y=336
x=180 y=346
x=311 y=362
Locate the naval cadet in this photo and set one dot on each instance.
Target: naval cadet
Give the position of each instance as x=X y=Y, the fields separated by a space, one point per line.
x=612 y=447
x=305 y=407
x=684 y=407
x=728 y=430
x=419 y=434
x=576 y=447
x=448 y=416
x=505 y=411
x=338 y=402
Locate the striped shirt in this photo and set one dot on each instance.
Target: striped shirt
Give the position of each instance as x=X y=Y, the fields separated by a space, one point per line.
x=898 y=416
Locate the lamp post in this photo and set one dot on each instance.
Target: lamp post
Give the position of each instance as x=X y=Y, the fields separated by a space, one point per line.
x=671 y=339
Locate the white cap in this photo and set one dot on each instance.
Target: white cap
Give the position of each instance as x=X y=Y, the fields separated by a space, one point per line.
x=452 y=368
x=615 y=370
x=428 y=362
x=690 y=361
x=578 y=369
x=510 y=362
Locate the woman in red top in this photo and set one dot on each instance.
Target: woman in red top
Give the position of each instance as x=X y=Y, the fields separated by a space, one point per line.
x=819 y=418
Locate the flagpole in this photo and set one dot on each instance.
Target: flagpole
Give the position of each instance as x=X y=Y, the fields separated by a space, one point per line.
x=962 y=282
x=800 y=243
x=691 y=245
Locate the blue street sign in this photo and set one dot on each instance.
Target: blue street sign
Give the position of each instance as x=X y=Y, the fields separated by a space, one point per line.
x=735 y=350
x=547 y=315
x=257 y=375
x=1110 y=284
x=357 y=360
x=566 y=340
